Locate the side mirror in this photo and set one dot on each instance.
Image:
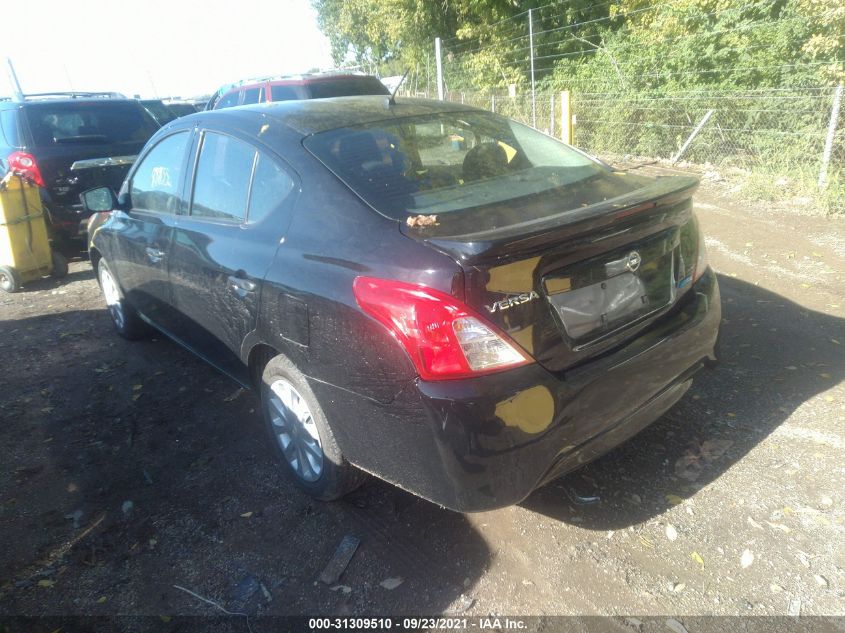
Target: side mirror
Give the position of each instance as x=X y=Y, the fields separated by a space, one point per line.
x=98 y=200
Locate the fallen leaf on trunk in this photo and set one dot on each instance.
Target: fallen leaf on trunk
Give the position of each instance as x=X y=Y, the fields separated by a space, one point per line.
x=422 y=220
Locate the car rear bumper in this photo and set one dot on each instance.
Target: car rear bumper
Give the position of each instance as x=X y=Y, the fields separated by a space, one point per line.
x=67 y=221
x=488 y=442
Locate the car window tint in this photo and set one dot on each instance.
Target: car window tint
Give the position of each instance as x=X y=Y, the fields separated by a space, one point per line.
x=252 y=95
x=284 y=93
x=464 y=163
x=221 y=188
x=228 y=101
x=157 y=182
x=346 y=87
x=270 y=186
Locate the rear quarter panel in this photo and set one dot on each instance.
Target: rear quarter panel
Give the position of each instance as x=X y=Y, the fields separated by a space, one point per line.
x=308 y=308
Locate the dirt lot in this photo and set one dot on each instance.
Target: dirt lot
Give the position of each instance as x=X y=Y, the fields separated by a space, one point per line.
x=129 y=468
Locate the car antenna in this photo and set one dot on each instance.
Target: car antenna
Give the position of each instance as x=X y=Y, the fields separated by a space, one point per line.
x=392 y=100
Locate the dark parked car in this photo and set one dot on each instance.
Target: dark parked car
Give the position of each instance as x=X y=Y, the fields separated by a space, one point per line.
x=181 y=108
x=159 y=110
x=427 y=292
x=316 y=86
x=71 y=142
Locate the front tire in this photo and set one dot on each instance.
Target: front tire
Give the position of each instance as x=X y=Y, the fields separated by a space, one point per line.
x=125 y=318
x=300 y=435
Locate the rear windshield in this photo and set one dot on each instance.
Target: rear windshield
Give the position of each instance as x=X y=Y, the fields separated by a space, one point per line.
x=450 y=162
x=89 y=123
x=346 y=87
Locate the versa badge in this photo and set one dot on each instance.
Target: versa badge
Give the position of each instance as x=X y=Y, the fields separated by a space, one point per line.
x=510 y=302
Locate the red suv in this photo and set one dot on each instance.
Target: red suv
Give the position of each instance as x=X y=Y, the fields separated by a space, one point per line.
x=322 y=86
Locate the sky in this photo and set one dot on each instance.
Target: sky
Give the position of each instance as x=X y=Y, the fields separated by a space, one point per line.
x=156 y=48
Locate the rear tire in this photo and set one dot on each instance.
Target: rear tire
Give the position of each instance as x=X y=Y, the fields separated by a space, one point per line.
x=10 y=280
x=59 y=265
x=125 y=318
x=300 y=434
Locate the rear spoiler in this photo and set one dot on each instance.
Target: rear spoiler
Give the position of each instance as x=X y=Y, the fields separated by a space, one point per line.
x=595 y=221
x=109 y=161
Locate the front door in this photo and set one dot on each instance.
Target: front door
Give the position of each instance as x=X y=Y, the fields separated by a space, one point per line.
x=146 y=230
x=222 y=248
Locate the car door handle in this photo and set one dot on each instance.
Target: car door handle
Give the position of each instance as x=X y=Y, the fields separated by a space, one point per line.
x=155 y=255
x=241 y=286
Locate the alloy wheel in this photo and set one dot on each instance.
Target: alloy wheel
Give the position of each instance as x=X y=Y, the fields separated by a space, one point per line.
x=112 y=296
x=295 y=430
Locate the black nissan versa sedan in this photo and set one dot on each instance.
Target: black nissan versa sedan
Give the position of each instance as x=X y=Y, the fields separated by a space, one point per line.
x=431 y=293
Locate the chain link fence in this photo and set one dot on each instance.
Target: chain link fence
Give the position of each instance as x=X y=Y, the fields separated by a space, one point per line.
x=778 y=131
x=746 y=129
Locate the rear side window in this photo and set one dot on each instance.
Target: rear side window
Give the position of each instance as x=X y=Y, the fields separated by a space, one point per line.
x=228 y=101
x=9 y=128
x=253 y=95
x=89 y=123
x=157 y=181
x=271 y=185
x=346 y=87
x=284 y=93
x=224 y=171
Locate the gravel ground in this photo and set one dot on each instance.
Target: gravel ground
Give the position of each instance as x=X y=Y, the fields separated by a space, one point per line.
x=129 y=468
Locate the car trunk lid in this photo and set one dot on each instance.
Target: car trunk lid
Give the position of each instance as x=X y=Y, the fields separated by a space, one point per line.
x=617 y=253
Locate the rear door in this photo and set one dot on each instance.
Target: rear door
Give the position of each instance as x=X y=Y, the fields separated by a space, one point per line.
x=222 y=248
x=144 y=233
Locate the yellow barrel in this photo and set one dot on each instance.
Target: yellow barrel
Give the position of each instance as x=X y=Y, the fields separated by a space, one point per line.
x=24 y=248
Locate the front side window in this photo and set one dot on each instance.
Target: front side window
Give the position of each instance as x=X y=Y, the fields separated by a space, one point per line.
x=472 y=165
x=224 y=172
x=156 y=183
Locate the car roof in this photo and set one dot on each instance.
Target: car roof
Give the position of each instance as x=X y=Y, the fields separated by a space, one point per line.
x=310 y=116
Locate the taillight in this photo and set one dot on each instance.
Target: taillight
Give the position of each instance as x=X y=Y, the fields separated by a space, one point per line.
x=444 y=338
x=25 y=165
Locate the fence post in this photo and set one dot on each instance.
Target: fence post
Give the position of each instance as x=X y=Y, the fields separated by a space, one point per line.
x=692 y=136
x=552 y=114
x=531 y=48
x=565 y=118
x=439 y=68
x=492 y=103
x=831 y=133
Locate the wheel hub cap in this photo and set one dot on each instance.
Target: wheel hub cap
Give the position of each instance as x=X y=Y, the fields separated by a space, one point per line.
x=295 y=430
x=112 y=296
